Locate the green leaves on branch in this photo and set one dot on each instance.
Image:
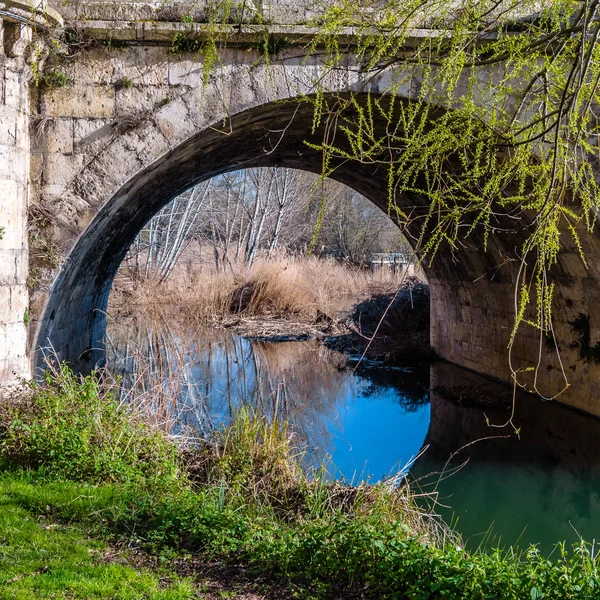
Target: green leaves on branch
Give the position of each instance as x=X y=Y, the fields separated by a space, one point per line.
x=484 y=113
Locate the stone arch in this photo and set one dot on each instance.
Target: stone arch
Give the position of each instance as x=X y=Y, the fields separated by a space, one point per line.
x=177 y=144
x=272 y=134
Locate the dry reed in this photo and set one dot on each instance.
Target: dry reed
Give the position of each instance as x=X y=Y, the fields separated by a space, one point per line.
x=280 y=286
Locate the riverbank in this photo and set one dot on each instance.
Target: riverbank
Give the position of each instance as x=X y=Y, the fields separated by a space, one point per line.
x=382 y=314
x=87 y=475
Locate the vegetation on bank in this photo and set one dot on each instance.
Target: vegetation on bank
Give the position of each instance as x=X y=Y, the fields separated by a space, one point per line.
x=41 y=557
x=303 y=290
x=71 y=454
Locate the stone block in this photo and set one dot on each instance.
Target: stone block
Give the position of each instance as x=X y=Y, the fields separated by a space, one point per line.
x=17 y=301
x=174 y=122
x=186 y=72
x=94 y=67
x=14 y=339
x=136 y=102
x=9 y=194
x=23 y=135
x=147 y=141
x=5 y=301
x=13 y=161
x=117 y=11
x=51 y=191
x=118 y=164
x=81 y=101
x=90 y=135
x=8 y=125
x=15 y=89
x=10 y=274
x=142 y=66
x=59 y=137
x=61 y=169
x=14 y=236
x=36 y=165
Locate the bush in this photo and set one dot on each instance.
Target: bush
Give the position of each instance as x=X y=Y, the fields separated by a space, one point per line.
x=73 y=429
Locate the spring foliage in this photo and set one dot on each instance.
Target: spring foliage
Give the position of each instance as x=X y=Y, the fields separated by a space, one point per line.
x=71 y=429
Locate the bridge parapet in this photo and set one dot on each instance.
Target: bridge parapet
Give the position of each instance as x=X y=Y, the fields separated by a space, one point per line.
x=284 y=12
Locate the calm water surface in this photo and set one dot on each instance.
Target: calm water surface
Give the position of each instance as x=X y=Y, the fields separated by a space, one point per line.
x=495 y=487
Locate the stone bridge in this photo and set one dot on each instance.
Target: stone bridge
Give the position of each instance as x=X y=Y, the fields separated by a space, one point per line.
x=91 y=151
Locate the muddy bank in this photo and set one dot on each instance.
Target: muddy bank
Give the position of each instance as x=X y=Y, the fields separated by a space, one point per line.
x=388 y=327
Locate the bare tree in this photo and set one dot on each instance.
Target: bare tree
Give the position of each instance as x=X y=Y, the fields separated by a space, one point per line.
x=243 y=214
x=161 y=242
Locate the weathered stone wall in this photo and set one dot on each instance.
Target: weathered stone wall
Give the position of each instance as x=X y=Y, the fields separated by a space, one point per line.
x=14 y=183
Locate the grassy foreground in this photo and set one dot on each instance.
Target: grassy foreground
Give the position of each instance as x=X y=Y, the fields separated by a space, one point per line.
x=80 y=471
x=43 y=558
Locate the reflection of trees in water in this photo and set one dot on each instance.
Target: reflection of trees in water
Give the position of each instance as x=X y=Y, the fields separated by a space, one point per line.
x=412 y=385
x=196 y=378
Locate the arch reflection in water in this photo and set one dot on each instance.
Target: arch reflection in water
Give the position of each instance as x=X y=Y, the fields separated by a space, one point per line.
x=371 y=422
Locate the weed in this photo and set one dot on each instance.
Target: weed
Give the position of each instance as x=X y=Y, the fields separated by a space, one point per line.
x=74 y=430
x=271 y=46
x=124 y=83
x=34 y=279
x=54 y=78
x=185 y=42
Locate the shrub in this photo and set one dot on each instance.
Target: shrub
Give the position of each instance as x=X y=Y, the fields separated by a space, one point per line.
x=73 y=429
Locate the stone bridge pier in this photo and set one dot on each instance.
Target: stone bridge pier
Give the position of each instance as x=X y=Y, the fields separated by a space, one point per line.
x=19 y=22
x=121 y=125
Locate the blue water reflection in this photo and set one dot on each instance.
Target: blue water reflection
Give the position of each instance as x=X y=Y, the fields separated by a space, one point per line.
x=375 y=432
x=365 y=423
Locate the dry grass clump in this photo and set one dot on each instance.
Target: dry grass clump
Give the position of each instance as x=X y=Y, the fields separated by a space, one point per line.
x=252 y=454
x=254 y=457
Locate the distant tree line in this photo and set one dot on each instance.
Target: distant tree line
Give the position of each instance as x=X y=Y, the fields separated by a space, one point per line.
x=242 y=215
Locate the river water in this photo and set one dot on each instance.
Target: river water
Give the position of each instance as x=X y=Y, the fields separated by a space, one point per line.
x=494 y=486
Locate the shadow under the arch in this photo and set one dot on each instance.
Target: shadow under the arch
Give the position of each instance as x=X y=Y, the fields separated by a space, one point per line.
x=540 y=485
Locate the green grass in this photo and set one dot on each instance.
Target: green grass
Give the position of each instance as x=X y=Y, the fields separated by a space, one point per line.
x=43 y=558
x=75 y=462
